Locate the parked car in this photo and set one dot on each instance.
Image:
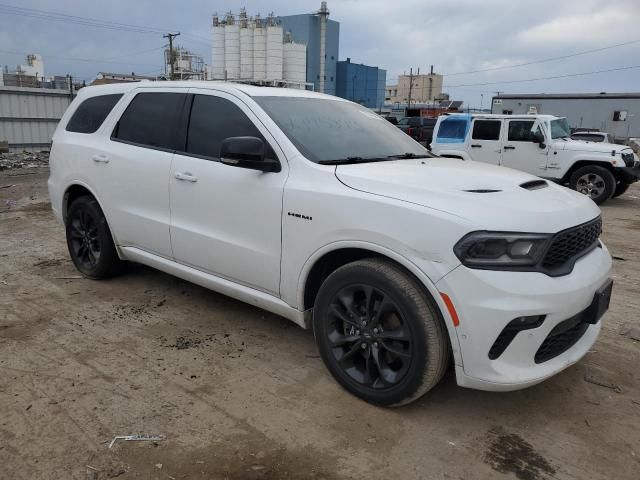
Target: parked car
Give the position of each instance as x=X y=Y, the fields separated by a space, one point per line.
x=418 y=128
x=319 y=210
x=391 y=119
x=540 y=145
x=591 y=136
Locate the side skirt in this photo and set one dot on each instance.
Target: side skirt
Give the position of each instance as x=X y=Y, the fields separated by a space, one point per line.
x=239 y=292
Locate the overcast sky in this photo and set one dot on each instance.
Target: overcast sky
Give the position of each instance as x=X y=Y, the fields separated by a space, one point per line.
x=454 y=35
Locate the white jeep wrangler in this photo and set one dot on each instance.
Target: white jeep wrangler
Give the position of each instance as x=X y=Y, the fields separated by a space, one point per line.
x=541 y=145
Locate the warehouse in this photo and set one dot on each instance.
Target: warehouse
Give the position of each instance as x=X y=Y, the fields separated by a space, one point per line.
x=618 y=114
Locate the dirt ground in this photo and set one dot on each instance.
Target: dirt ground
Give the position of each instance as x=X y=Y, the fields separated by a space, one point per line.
x=238 y=393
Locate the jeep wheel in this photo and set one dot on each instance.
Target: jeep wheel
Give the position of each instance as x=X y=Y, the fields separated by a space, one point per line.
x=89 y=240
x=596 y=182
x=621 y=187
x=379 y=333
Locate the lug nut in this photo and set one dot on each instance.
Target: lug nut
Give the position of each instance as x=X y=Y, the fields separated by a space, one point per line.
x=364 y=323
x=375 y=330
x=375 y=344
x=363 y=345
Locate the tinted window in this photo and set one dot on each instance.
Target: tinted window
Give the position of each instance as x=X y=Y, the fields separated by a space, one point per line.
x=520 y=131
x=486 y=130
x=414 y=121
x=324 y=130
x=453 y=130
x=91 y=113
x=150 y=119
x=214 y=119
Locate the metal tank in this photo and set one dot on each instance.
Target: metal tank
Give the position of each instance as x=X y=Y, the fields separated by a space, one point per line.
x=232 y=48
x=274 y=49
x=259 y=50
x=217 y=50
x=294 y=61
x=246 y=48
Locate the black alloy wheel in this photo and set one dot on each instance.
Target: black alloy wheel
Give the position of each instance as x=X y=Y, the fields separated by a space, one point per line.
x=379 y=332
x=89 y=240
x=369 y=339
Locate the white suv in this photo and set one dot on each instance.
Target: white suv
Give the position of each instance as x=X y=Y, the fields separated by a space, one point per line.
x=541 y=145
x=317 y=209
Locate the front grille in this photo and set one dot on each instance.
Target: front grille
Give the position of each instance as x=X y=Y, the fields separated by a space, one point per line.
x=564 y=336
x=568 y=245
x=628 y=159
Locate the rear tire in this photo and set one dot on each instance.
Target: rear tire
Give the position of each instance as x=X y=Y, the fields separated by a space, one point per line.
x=379 y=333
x=597 y=183
x=621 y=187
x=89 y=240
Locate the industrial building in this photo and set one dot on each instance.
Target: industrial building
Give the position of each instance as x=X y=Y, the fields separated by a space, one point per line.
x=361 y=83
x=255 y=50
x=186 y=65
x=322 y=38
x=416 y=88
x=617 y=114
x=105 y=78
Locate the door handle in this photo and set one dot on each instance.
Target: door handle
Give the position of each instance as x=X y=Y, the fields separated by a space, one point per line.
x=186 y=176
x=509 y=147
x=100 y=158
x=476 y=145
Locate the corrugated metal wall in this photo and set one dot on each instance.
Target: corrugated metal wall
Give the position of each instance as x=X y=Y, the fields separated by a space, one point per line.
x=29 y=116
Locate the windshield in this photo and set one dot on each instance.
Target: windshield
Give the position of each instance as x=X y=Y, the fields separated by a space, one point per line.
x=328 y=130
x=560 y=128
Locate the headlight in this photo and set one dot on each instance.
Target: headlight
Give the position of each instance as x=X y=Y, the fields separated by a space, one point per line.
x=500 y=250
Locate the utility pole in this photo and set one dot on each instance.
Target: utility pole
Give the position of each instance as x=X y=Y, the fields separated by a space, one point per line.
x=410 y=87
x=171 y=36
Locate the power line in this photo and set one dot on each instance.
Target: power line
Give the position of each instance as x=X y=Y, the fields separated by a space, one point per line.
x=88 y=21
x=533 y=62
x=543 y=78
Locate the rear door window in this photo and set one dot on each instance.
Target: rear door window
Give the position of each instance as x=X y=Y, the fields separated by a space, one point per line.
x=91 y=113
x=486 y=130
x=213 y=119
x=151 y=120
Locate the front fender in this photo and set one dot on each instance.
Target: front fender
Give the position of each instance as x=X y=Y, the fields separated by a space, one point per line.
x=411 y=266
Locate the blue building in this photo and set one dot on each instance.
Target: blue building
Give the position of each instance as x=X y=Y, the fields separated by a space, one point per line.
x=361 y=83
x=306 y=28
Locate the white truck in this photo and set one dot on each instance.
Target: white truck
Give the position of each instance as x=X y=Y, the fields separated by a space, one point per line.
x=541 y=145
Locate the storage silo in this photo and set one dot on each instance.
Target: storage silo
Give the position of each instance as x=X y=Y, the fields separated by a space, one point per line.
x=232 y=48
x=274 y=52
x=246 y=51
x=259 y=50
x=294 y=56
x=217 y=50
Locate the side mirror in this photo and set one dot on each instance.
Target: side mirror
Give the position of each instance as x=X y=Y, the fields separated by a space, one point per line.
x=247 y=152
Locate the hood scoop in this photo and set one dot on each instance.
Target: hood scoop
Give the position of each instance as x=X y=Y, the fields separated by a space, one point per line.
x=482 y=190
x=534 y=184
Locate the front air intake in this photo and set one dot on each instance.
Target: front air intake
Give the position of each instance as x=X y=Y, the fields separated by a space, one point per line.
x=534 y=184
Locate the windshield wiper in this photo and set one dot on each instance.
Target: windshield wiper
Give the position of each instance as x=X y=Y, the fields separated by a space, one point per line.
x=352 y=160
x=404 y=156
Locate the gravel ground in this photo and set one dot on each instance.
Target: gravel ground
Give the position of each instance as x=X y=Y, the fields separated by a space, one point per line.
x=9 y=161
x=239 y=393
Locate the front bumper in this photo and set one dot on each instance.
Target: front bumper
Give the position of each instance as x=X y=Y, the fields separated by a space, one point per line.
x=486 y=301
x=628 y=174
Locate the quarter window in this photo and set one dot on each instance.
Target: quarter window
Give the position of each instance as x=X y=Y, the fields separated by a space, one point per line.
x=486 y=130
x=91 y=113
x=150 y=120
x=520 y=131
x=213 y=119
x=453 y=130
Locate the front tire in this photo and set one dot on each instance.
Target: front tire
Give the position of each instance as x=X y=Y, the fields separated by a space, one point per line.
x=379 y=333
x=89 y=240
x=597 y=183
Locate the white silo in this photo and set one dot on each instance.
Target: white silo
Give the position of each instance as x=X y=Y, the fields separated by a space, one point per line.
x=217 y=50
x=246 y=50
x=259 y=50
x=294 y=62
x=274 y=50
x=232 y=48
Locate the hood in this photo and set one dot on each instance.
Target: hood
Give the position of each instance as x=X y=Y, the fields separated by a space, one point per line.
x=488 y=197
x=585 y=146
